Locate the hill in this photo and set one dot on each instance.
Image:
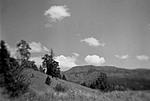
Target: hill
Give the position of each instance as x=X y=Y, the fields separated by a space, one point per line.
x=39 y=91
x=136 y=79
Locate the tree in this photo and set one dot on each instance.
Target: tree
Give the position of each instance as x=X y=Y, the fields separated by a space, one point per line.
x=64 y=77
x=100 y=82
x=41 y=69
x=16 y=83
x=23 y=50
x=48 y=80
x=51 y=65
x=4 y=57
x=29 y=64
x=12 y=79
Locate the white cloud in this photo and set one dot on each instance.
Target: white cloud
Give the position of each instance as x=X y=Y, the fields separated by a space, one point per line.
x=94 y=60
x=75 y=54
x=142 y=57
x=12 y=50
x=93 y=42
x=67 y=62
x=55 y=13
x=37 y=47
x=122 y=56
x=37 y=60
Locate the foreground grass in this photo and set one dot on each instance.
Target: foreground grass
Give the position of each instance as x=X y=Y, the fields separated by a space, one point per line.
x=39 y=91
x=85 y=96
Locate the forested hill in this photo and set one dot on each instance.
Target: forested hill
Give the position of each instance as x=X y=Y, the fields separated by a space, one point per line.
x=136 y=79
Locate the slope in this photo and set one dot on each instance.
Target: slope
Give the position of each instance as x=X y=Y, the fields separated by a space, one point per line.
x=136 y=79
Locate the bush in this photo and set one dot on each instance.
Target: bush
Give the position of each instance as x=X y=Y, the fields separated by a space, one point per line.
x=100 y=83
x=60 y=88
x=83 y=84
x=16 y=83
x=64 y=77
x=48 y=80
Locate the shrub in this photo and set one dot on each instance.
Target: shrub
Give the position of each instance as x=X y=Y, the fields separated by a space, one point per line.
x=48 y=80
x=16 y=83
x=60 y=88
x=100 y=83
x=83 y=84
x=64 y=77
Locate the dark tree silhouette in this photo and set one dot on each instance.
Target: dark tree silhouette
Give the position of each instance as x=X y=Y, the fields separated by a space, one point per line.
x=51 y=65
x=12 y=79
x=100 y=82
x=48 y=80
x=64 y=77
x=4 y=58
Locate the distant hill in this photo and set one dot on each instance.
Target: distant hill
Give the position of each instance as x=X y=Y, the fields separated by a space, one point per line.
x=136 y=79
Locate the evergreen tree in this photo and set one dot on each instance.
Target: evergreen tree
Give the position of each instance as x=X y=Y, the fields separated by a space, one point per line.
x=4 y=58
x=12 y=79
x=51 y=65
x=64 y=77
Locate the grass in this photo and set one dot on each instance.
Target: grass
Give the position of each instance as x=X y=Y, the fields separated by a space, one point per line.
x=60 y=88
x=39 y=91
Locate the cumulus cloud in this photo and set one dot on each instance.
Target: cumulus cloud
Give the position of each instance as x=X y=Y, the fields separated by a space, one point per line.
x=75 y=54
x=37 y=60
x=93 y=42
x=12 y=50
x=67 y=62
x=142 y=57
x=94 y=60
x=57 y=13
x=122 y=56
x=37 y=47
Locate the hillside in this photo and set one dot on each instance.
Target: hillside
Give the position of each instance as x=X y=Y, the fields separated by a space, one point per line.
x=136 y=79
x=39 y=91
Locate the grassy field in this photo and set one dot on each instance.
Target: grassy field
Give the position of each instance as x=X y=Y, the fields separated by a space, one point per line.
x=39 y=91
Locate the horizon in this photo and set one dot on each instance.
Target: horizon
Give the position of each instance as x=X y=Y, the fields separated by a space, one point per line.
x=81 y=32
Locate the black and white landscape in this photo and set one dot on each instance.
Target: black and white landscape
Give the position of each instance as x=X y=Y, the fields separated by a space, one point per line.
x=74 y=50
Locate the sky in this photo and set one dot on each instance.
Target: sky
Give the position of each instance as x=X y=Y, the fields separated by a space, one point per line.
x=81 y=32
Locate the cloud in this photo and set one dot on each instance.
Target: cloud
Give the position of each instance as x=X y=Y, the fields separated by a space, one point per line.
x=67 y=62
x=122 y=56
x=142 y=57
x=12 y=50
x=37 y=60
x=93 y=42
x=75 y=54
x=57 y=13
x=37 y=47
x=94 y=60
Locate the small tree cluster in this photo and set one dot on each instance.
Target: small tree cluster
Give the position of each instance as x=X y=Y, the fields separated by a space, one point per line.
x=51 y=65
x=100 y=82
